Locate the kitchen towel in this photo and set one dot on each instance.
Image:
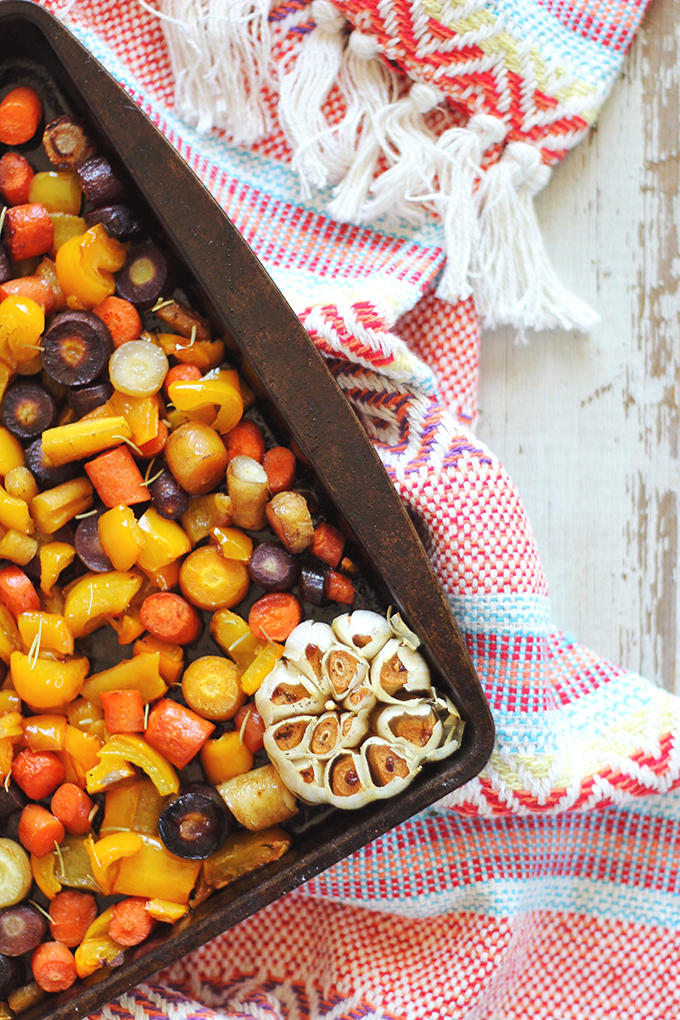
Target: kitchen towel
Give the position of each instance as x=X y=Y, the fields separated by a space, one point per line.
x=392 y=203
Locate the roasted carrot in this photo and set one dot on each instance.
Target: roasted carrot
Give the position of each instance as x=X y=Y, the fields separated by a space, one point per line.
x=246 y=440
x=72 y=807
x=176 y=731
x=28 y=231
x=338 y=588
x=250 y=725
x=117 y=478
x=17 y=592
x=53 y=966
x=154 y=446
x=123 y=711
x=32 y=287
x=38 y=773
x=131 y=922
x=181 y=373
x=16 y=174
x=122 y=318
x=170 y=618
x=71 y=914
x=20 y=113
x=275 y=616
x=39 y=830
x=328 y=544
x=279 y=464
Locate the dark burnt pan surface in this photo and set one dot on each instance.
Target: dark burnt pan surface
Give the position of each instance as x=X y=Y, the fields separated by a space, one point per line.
x=242 y=299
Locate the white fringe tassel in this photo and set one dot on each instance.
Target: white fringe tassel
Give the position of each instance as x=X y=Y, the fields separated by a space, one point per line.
x=368 y=86
x=303 y=92
x=459 y=156
x=514 y=281
x=220 y=56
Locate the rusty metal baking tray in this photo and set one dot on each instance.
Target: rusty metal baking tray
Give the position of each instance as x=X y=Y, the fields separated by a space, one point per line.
x=244 y=304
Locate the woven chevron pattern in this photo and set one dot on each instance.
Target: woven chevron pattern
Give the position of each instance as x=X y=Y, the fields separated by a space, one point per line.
x=547 y=887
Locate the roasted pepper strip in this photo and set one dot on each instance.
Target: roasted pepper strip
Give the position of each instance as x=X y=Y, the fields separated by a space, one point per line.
x=97 y=948
x=45 y=683
x=44 y=874
x=218 y=388
x=136 y=750
x=106 y=854
x=95 y=597
x=155 y=872
x=166 y=910
x=108 y=773
x=141 y=673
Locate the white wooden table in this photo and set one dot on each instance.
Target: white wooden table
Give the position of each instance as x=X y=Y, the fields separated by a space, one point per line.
x=589 y=426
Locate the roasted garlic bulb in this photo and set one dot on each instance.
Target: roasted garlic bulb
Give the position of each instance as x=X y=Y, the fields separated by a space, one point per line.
x=350 y=711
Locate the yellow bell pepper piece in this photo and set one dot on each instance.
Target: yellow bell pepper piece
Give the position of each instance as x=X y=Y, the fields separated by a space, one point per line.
x=171 y=662
x=121 y=536
x=55 y=507
x=55 y=633
x=97 y=948
x=11 y=726
x=22 y=322
x=149 y=809
x=108 y=773
x=107 y=852
x=141 y=673
x=45 y=874
x=156 y=873
x=86 y=716
x=205 y=354
x=164 y=541
x=264 y=662
x=10 y=640
x=6 y=756
x=137 y=751
x=235 y=637
x=128 y=627
x=45 y=732
x=119 y=808
x=84 y=749
x=54 y=557
x=166 y=910
x=80 y=439
x=233 y=543
x=95 y=597
x=18 y=548
x=46 y=683
x=225 y=758
x=141 y=414
x=85 y=265
x=9 y=700
x=11 y=452
x=219 y=389
x=14 y=513
x=57 y=191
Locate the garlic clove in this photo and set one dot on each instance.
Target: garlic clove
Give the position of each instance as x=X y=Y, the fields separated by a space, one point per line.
x=391 y=769
x=413 y=726
x=290 y=737
x=306 y=647
x=304 y=777
x=347 y=781
x=363 y=631
x=353 y=728
x=343 y=670
x=398 y=670
x=287 y=692
x=325 y=735
x=360 y=699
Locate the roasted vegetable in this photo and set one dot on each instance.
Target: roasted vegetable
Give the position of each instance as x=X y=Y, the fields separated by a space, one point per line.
x=195 y=823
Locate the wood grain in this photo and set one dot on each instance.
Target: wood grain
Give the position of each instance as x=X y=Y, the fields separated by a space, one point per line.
x=588 y=426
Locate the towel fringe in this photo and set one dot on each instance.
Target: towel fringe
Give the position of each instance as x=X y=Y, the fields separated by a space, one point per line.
x=513 y=279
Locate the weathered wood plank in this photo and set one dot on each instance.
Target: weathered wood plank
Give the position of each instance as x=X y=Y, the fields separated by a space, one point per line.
x=588 y=426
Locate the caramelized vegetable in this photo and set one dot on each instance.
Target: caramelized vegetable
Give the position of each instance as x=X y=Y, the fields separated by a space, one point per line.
x=197 y=457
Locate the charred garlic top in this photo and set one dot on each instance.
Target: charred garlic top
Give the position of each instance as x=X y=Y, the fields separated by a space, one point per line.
x=350 y=711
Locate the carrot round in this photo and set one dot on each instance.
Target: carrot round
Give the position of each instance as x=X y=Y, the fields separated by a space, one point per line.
x=123 y=711
x=54 y=967
x=131 y=922
x=176 y=731
x=274 y=617
x=170 y=618
x=38 y=773
x=72 y=807
x=245 y=440
x=154 y=446
x=279 y=464
x=16 y=174
x=122 y=318
x=31 y=287
x=181 y=373
x=39 y=830
x=17 y=591
x=71 y=914
x=20 y=113
x=28 y=231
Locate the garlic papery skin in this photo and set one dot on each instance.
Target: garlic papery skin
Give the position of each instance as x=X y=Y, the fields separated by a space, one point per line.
x=362 y=631
x=304 y=777
x=353 y=728
x=398 y=670
x=306 y=647
x=360 y=699
x=452 y=726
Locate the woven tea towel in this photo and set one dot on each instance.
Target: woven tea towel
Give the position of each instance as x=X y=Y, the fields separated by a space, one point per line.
x=545 y=888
